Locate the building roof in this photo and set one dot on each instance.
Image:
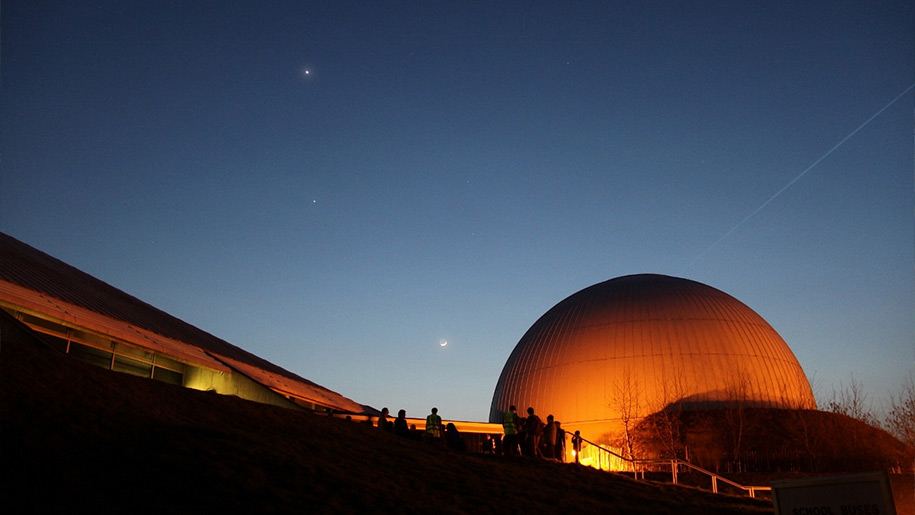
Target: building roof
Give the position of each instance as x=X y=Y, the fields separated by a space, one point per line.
x=30 y=276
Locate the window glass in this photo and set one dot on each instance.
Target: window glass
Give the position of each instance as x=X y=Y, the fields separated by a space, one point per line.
x=127 y=350
x=58 y=343
x=168 y=376
x=91 y=339
x=90 y=355
x=43 y=325
x=170 y=364
x=132 y=366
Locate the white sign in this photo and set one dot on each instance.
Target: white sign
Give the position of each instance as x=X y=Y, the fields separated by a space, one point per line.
x=856 y=494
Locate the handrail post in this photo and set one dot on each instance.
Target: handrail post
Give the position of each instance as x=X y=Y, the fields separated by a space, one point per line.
x=639 y=466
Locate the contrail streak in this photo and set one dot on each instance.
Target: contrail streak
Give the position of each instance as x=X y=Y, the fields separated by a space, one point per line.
x=800 y=175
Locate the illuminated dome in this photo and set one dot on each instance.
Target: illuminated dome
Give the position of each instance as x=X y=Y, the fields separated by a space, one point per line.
x=647 y=342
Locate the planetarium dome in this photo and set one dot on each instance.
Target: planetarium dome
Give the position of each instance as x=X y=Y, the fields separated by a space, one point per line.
x=647 y=342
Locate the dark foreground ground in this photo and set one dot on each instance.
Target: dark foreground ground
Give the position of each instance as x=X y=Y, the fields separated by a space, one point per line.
x=74 y=437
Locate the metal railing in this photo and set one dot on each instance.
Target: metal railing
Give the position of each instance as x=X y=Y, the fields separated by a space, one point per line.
x=675 y=464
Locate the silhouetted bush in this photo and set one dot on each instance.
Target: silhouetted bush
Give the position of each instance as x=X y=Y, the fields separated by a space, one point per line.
x=772 y=440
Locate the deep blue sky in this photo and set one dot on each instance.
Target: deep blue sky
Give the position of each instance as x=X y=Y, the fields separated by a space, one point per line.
x=454 y=169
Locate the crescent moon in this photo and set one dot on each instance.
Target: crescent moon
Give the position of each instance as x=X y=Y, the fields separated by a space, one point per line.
x=443 y=342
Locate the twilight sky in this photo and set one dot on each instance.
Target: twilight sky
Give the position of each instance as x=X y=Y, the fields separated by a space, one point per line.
x=338 y=186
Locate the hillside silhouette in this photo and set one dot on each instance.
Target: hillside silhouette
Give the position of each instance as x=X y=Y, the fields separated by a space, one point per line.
x=79 y=437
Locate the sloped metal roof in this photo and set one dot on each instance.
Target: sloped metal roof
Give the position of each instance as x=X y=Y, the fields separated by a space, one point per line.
x=30 y=301
x=653 y=338
x=45 y=282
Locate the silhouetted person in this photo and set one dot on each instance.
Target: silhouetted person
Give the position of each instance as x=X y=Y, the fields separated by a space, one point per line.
x=400 y=425
x=533 y=429
x=434 y=427
x=510 y=431
x=548 y=442
x=383 y=420
x=454 y=438
x=559 y=451
x=576 y=445
x=489 y=445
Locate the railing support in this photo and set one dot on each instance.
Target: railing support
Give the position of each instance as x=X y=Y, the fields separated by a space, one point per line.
x=638 y=467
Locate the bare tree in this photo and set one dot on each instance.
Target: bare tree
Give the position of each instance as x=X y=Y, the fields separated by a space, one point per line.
x=900 y=417
x=627 y=393
x=668 y=412
x=738 y=397
x=805 y=434
x=852 y=401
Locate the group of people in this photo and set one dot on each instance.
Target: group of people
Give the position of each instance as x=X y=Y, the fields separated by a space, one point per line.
x=524 y=436
x=529 y=436
x=435 y=433
x=449 y=436
x=399 y=426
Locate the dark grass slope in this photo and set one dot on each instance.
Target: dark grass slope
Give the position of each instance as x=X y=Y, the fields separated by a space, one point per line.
x=74 y=437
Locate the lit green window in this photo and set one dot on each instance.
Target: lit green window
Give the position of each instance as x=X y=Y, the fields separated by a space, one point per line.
x=132 y=366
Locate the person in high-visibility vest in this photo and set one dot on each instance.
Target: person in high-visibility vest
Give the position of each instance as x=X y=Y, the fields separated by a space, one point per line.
x=434 y=427
x=510 y=429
